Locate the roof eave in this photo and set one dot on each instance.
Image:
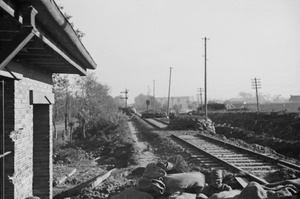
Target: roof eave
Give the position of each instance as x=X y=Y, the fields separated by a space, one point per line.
x=54 y=21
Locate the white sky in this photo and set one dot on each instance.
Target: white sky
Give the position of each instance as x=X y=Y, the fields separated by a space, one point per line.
x=135 y=42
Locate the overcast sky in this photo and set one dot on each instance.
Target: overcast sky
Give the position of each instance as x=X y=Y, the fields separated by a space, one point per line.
x=135 y=42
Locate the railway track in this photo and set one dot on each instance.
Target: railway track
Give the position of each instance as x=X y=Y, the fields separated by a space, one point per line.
x=214 y=153
x=156 y=123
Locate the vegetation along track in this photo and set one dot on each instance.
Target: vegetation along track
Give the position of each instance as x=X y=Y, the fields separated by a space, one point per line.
x=214 y=153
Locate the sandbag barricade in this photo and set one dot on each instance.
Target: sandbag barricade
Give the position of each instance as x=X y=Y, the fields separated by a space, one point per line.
x=132 y=193
x=191 y=182
x=256 y=191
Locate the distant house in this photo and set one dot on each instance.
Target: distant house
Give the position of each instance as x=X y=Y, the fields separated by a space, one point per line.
x=182 y=102
x=294 y=98
x=235 y=102
x=36 y=40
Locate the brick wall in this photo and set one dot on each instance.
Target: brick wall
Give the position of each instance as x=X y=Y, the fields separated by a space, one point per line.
x=30 y=139
x=9 y=144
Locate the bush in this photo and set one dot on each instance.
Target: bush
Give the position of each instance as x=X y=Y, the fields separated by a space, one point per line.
x=58 y=144
x=104 y=135
x=71 y=155
x=107 y=137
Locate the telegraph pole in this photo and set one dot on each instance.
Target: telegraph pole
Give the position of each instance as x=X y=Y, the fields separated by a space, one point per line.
x=168 y=111
x=205 y=78
x=126 y=96
x=154 y=95
x=200 y=96
x=256 y=85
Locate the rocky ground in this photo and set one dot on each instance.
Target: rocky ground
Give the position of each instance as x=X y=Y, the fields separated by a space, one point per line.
x=150 y=146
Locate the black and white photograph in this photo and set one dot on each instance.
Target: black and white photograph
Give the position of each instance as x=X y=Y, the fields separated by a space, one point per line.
x=150 y=99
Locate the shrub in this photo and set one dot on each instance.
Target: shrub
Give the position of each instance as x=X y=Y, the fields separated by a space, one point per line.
x=58 y=144
x=71 y=155
x=104 y=135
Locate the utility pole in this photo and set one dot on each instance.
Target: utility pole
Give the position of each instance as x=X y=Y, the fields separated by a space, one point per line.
x=205 y=78
x=153 y=95
x=256 y=85
x=148 y=98
x=200 y=96
x=126 y=96
x=168 y=108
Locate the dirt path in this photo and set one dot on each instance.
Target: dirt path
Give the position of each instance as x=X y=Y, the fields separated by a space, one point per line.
x=144 y=153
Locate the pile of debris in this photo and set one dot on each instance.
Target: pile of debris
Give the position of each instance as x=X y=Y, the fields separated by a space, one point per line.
x=174 y=179
x=191 y=123
x=283 y=126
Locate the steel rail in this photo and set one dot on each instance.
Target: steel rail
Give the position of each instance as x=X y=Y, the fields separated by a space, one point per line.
x=273 y=161
x=279 y=162
x=231 y=166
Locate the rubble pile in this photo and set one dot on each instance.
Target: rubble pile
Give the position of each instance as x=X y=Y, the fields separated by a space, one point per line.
x=279 y=132
x=191 y=123
x=282 y=126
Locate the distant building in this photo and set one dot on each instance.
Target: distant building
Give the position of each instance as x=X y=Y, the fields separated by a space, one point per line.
x=235 y=102
x=294 y=98
x=182 y=102
x=293 y=105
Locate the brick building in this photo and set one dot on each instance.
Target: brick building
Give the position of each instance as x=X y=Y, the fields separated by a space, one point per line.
x=36 y=41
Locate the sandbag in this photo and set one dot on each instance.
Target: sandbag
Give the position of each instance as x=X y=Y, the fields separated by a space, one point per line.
x=191 y=182
x=153 y=186
x=256 y=191
x=226 y=194
x=132 y=193
x=177 y=195
x=183 y=195
x=153 y=171
x=179 y=164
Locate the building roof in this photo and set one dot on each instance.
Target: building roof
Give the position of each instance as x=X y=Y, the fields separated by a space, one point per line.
x=36 y=33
